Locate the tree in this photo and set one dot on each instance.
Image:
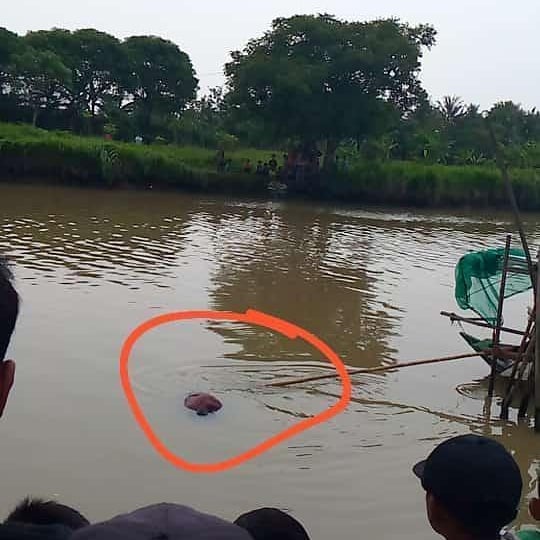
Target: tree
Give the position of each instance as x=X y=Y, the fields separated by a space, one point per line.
x=41 y=80
x=96 y=61
x=160 y=79
x=451 y=108
x=470 y=136
x=202 y=122
x=319 y=79
x=98 y=66
x=9 y=45
x=510 y=123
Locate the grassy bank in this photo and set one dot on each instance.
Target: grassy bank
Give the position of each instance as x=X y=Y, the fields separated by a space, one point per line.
x=411 y=183
x=60 y=157
x=26 y=152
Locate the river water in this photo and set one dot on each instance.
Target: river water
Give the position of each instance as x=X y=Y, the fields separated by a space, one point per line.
x=91 y=265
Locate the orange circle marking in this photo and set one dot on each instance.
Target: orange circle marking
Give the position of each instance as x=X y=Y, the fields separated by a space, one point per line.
x=251 y=317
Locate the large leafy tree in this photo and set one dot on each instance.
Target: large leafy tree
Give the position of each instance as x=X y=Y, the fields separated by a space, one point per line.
x=41 y=80
x=96 y=61
x=10 y=44
x=317 y=78
x=470 y=137
x=98 y=67
x=160 y=79
x=59 y=42
x=510 y=123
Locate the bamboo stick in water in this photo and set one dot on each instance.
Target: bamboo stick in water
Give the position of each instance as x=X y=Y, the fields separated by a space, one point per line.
x=376 y=369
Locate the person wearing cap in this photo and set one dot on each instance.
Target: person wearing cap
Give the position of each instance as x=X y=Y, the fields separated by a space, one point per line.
x=163 y=522
x=534 y=510
x=473 y=488
x=271 y=524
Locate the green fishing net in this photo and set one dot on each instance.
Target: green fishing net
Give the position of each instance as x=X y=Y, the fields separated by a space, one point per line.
x=478 y=280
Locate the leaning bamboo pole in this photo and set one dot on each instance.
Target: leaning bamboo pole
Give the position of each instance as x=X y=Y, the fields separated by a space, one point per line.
x=534 y=273
x=454 y=317
x=497 y=329
x=513 y=203
x=537 y=359
x=528 y=337
x=379 y=369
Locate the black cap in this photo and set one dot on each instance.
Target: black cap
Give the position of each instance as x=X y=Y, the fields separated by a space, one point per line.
x=476 y=478
x=271 y=523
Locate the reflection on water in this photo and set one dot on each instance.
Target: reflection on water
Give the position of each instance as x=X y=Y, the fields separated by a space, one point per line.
x=84 y=239
x=309 y=262
x=93 y=264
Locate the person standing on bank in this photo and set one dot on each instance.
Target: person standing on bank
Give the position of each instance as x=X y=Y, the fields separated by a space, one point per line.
x=473 y=488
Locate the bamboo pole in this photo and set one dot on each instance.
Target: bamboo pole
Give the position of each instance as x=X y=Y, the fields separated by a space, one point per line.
x=518 y=371
x=513 y=203
x=537 y=360
x=376 y=369
x=497 y=329
x=455 y=317
x=523 y=348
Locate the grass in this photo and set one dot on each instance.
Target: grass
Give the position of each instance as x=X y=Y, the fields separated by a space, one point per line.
x=410 y=183
x=26 y=152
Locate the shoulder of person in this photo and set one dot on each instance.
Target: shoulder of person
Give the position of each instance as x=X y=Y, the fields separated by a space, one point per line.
x=528 y=534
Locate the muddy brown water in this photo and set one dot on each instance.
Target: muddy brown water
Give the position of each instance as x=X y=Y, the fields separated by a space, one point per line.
x=91 y=265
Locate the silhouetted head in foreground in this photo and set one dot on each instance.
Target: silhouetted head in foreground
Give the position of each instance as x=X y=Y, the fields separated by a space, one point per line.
x=41 y=512
x=271 y=524
x=473 y=488
x=9 y=310
x=26 y=531
x=163 y=522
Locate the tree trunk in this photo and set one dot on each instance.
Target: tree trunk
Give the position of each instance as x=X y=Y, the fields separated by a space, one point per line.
x=35 y=113
x=330 y=155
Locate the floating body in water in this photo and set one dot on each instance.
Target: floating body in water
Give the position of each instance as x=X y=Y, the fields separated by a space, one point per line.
x=202 y=403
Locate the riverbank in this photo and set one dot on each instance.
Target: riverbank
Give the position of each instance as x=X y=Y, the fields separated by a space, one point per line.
x=59 y=157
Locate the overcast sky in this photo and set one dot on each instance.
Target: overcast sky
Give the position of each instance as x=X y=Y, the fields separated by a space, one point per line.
x=487 y=50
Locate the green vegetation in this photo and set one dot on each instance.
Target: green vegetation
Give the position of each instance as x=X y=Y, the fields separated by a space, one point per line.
x=27 y=153
x=343 y=99
x=90 y=82
x=345 y=80
x=31 y=153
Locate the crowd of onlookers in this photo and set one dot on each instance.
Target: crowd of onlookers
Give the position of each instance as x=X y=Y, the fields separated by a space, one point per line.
x=473 y=490
x=295 y=165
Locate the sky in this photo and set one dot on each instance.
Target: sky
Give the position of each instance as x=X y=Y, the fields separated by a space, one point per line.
x=487 y=50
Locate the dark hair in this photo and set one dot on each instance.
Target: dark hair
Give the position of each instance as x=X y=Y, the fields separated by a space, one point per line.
x=25 y=531
x=41 y=512
x=9 y=307
x=271 y=524
x=482 y=520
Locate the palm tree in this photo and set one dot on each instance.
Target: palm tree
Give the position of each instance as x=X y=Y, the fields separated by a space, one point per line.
x=451 y=108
